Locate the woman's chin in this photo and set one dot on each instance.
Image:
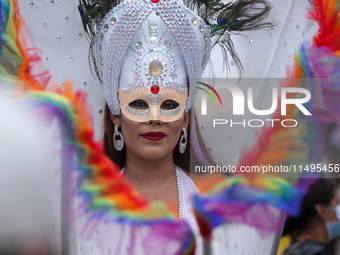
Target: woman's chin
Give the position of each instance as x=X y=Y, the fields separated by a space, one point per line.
x=154 y=153
x=152 y=150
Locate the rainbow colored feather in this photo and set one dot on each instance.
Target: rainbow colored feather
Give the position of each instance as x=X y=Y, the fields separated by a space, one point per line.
x=234 y=200
x=326 y=13
x=17 y=62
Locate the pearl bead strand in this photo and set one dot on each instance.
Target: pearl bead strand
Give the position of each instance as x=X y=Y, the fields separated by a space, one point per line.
x=180 y=197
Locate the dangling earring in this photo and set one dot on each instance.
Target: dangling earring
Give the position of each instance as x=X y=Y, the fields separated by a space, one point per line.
x=119 y=144
x=183 y=145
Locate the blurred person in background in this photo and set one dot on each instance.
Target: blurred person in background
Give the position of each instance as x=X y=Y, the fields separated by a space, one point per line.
x=318 y=222
x=27 y=162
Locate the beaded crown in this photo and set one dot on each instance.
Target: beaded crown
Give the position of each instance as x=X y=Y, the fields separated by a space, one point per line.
x=143 y=43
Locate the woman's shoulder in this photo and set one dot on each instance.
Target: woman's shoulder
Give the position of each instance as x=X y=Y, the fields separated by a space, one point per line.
x=308 y=247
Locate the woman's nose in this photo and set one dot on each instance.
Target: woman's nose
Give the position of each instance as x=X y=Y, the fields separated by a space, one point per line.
x=154 y=121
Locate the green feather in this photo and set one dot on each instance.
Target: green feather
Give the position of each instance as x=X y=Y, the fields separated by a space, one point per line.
x=239 y=16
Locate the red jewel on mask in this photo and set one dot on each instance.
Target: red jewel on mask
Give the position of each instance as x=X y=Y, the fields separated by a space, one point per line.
x=155 y=1
x=154 y=89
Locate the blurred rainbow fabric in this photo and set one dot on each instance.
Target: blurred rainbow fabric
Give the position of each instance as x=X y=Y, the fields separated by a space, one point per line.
x=236 y=200
x=233 y=200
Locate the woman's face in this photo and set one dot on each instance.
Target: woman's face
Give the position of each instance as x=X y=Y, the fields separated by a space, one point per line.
x=331 y=214
x=150 y=140
x=327 y=212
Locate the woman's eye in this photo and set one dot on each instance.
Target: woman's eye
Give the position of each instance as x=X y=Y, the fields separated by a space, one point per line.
x=169 y=105
x=139 y=104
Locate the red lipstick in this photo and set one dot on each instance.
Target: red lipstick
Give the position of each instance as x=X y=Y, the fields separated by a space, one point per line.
x=154 y=136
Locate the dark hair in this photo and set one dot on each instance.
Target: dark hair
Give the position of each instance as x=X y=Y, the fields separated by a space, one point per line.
x=320 y=192
x=119 y=157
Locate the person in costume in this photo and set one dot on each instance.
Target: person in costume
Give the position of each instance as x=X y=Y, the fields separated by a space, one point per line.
x=149 y=57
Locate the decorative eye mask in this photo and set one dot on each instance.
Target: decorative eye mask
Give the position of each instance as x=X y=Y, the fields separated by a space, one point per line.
x=164 y=103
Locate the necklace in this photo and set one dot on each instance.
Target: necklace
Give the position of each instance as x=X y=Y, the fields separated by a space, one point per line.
x=180 y=197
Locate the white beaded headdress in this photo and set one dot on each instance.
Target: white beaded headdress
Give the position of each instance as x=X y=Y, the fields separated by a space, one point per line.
x=136 y=32
x=129 y=37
